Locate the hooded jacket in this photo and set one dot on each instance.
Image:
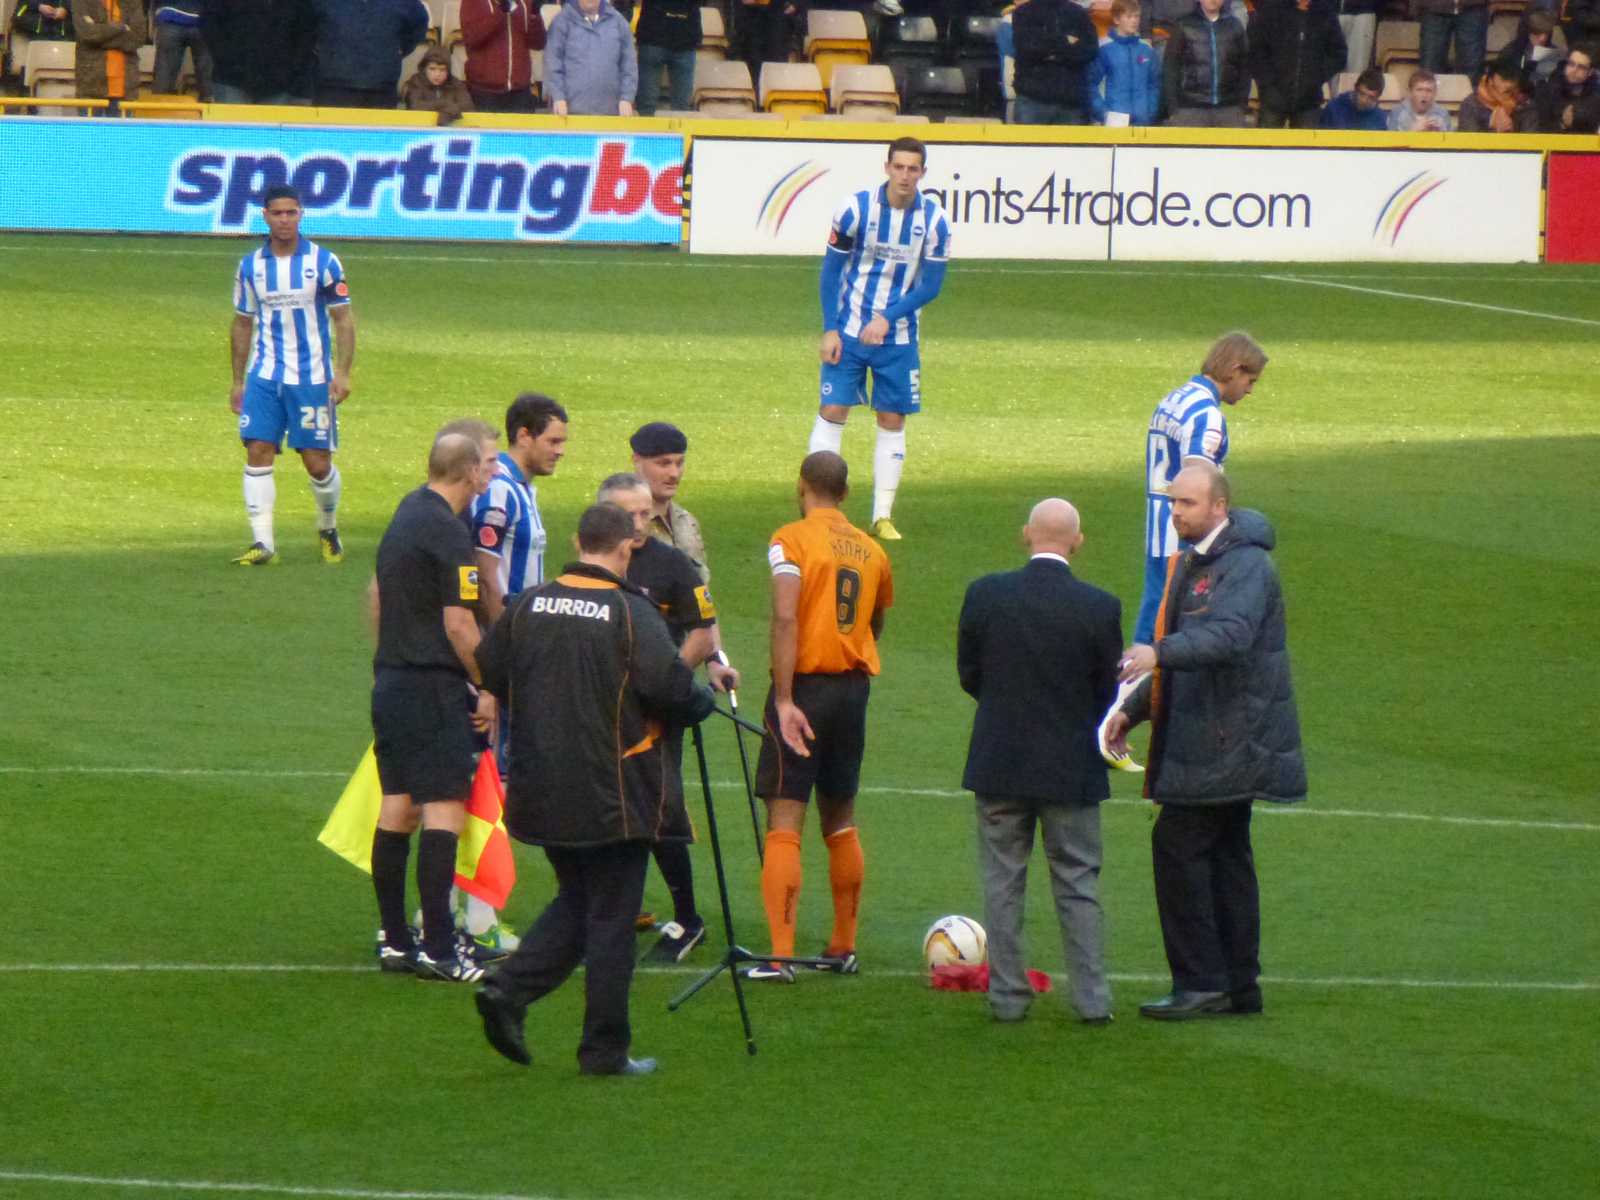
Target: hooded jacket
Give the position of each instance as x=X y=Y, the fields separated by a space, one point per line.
x=591 y=65
x=1342 y=113
x=1293 y=53
x=1205 y=64
x=1224 y=724
x=1127 y=70
x=361 y=43
x=264 y=47
x=588 y=674
x=498 y=39
x=450 y=99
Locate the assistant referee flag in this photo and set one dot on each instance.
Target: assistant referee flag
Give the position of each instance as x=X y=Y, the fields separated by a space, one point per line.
x=484 y=864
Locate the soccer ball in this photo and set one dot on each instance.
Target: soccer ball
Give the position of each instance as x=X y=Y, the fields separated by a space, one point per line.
x=955 y=940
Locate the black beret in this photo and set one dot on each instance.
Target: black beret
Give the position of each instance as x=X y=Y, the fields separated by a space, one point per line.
x=658 y=437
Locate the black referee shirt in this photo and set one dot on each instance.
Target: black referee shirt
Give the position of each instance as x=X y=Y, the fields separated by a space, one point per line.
x=668 y=577
x=425 y=564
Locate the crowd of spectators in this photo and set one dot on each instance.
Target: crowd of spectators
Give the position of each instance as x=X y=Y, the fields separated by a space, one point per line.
x=1178 y=62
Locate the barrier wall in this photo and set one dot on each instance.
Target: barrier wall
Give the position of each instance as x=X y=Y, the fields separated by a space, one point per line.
x=478 y=185
x=1128 y=202
x=769 y=187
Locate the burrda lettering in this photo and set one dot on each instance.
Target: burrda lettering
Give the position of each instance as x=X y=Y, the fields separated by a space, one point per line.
x=564 y=606
x=434 y=177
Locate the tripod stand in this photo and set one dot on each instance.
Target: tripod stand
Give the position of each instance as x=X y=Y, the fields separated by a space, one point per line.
x=735 y=954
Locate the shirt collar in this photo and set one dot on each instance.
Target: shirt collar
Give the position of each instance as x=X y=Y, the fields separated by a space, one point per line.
x=1052 y=556
x=510 y=464
x=301 y=247
x=1209 y=385
x=883 y=198
x=1203 y=546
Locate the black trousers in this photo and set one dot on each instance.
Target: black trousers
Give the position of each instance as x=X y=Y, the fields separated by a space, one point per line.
x=1207 y=896
x=591 y=920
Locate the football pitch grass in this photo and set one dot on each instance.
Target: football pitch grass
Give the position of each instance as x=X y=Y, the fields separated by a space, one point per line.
x=189 y=999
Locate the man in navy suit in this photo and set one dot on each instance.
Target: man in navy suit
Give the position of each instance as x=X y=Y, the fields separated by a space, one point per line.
x=1038 y=649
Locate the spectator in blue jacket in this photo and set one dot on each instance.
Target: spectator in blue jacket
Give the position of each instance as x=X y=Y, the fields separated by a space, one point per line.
x=1358 y=108
x=590 y=65
x=177 y=25
x=360 y=46
x=1125 y=76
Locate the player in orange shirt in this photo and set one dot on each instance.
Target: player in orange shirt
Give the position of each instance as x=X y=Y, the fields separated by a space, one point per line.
x=830 y=588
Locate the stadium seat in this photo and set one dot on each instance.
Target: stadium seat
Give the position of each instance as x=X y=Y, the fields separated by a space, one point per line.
x=908 y=42
x=863 y=87
x=1397 y=41
x=792 y=88
x=411 y=63
x=450 y=22
x=547 y=13
x=1502 y=32
x=836 y=38
x=51 y=69
x=536 y=67
x=1453 y=89
x=938 y=92
x=713 y=33
x=722 y=87
x=978 y=55
x=147 y=67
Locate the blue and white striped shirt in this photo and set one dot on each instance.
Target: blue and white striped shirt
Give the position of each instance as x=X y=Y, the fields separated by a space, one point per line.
x=506 y=524
x=290 y=298
x=885 y=248
x=1188 y=423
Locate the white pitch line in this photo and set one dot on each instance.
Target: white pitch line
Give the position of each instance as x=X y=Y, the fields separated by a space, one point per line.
x=252 y=1189
x=937 y=793
x=699 y=262
x=1323 y=981
x=1306 y=281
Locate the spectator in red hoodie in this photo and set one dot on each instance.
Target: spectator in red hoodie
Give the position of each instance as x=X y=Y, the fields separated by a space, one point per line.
x=499 y=34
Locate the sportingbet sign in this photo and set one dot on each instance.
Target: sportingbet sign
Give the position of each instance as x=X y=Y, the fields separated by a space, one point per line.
x=159 y=177
x=1178 y=203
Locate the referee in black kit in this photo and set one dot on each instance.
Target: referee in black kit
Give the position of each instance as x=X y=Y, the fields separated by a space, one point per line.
x=425 y=591
x=590 y=680
x=671 y=581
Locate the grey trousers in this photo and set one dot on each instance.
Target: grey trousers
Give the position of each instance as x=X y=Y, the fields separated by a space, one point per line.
x=1071 y=835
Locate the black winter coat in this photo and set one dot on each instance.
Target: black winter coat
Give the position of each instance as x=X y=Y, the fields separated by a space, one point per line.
x=1037 y=648
x=266 y=47
x=1224 y=724
x=1293 y=53
x=588 y=674
x=1206 y=64
x=1056 y=41
x=670 y=24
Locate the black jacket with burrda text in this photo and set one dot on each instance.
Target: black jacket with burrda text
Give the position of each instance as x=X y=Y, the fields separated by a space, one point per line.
x=584 y=669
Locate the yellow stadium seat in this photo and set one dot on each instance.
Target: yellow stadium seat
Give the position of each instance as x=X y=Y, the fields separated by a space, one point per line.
x=792 y=88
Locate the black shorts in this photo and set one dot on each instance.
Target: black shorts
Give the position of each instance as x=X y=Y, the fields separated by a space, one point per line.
x=836 y=706
x=422 y=735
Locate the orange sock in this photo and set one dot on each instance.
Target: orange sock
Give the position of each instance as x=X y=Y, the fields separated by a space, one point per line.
x=846 y=869
x=780 y=888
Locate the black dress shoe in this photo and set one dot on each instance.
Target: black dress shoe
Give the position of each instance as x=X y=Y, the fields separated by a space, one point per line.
x=502 y=1025
x=1102 y=1019
x=631 y=1066
x=1181 y=1006
x=1246 y=1003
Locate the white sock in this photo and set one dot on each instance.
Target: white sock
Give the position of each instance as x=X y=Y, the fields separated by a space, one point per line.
x=887 y=462
x=325 y=492
x=481 y=916
x=260 y=495
x=826 y=435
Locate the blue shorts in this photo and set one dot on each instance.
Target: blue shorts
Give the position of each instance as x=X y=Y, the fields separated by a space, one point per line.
x=303 y=411
x=896 y=377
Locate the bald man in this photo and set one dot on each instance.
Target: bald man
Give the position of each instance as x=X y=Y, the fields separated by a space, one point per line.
x=1038 y=650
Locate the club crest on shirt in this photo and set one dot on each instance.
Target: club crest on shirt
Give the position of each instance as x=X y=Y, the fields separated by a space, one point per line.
x=708 y=607
x=488 y=537
x=341 y=289
x=469 y=582
x=1202 y=586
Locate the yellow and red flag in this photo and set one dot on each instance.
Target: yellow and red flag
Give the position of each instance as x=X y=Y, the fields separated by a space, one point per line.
x=485 y=867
